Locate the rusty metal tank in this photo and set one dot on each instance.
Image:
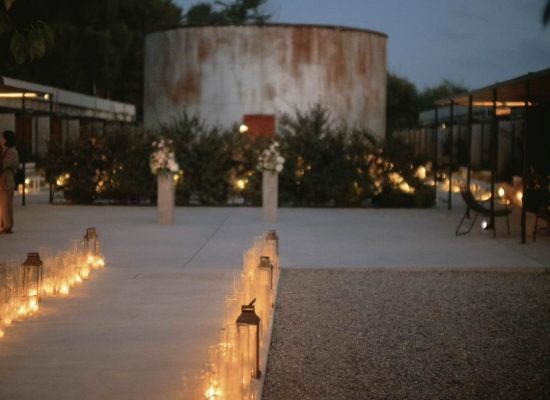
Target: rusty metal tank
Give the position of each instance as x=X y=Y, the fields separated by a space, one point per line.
x=226 y=72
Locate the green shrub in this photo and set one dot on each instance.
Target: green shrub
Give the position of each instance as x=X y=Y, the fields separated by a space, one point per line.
x=325 y=165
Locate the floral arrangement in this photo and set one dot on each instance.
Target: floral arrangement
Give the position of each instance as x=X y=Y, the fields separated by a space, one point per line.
x=163 y=158
x=271 y=159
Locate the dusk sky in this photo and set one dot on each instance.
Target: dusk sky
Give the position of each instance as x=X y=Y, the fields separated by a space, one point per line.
x=471 y=42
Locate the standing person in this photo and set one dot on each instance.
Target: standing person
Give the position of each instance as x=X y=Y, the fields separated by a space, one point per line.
x=10 y=163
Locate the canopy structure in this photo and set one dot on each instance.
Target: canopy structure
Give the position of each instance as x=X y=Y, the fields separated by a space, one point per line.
x=21 y=96
x=526 y=97
x=533 y=87
x=41 y=114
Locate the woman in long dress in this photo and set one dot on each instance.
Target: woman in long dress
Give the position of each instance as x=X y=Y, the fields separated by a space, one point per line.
x=9 y=165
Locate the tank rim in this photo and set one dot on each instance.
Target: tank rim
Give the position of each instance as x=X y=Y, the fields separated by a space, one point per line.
x=278 y=25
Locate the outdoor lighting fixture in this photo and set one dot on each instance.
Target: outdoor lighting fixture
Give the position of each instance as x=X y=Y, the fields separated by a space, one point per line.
x=501 y=104
x=501 y=192
x=247 y=319
x=91 y=244
x=240 y=184
x=421 y=172
x=62 y=179
x=266 y=265
x=443 y=126
x=18 y=95
x=272 y=236
x=243 y=128
x=503 y=111
x=484 y=224
x=32 y=275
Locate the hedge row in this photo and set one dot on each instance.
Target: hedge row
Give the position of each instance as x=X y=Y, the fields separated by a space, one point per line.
x=325 y=165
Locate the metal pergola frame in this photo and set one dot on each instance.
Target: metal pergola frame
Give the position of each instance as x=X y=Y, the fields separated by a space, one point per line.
x=35 y=92
x=530 y=90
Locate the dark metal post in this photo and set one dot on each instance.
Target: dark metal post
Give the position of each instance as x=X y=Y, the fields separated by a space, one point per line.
x=524 y=163
x=470 y=122
x=451 y=141
x=24 y=155
x=50 y=113
x=435 y=143
x=513 y=150
x=482 y=155
x=494 y=159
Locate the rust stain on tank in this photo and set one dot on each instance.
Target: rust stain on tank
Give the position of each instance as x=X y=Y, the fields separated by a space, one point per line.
x=187 y=88
x=337 y=63
x=302 y=49
x=269 y=92
x=204 y=48
x=362 y=60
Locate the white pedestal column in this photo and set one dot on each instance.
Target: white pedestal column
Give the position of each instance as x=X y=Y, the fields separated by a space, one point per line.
x=165 y=199
x=270 y=195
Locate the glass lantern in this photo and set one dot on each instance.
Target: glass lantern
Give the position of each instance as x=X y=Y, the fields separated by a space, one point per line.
x=249 y=342
x=32 y=275
x=91 y=243
x=267 y=266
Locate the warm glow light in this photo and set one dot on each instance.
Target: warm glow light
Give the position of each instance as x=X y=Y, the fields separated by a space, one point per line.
x=18 y=95
x=212 y=393
x=501 y=192
x=484 y=224
x=485 y=196
x=62 y=179
x=243 y=128
x=503 y=111
x=421 y=172
x=405 y=188
x=64 y=289
x=519 y=196
x=501 y=104
x=240 y=184
x=33 y=305
x=1 y=333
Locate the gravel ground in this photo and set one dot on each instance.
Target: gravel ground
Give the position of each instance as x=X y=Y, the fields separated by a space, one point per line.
x=359 y=334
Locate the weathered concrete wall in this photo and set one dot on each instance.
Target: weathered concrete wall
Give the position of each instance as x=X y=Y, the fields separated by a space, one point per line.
x=224 y=73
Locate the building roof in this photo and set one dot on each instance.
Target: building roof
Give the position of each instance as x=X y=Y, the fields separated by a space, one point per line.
x=42 y=99
x=512 y=91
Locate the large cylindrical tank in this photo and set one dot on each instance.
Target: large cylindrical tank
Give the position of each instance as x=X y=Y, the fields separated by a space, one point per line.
x=226 y=72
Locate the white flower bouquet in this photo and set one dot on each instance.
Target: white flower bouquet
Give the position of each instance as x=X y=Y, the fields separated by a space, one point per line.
x=271 y=159
x=163 y=158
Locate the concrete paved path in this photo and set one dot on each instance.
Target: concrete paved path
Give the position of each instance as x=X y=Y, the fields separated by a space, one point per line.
x=141 y=328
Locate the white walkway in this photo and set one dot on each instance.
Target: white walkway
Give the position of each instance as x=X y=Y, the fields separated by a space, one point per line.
x=141 y=328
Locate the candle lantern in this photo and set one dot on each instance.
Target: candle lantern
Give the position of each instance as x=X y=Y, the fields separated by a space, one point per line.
x=91 y=242
x=245 y=322
x=272 y=237
x=32 y=275
x=266 y=265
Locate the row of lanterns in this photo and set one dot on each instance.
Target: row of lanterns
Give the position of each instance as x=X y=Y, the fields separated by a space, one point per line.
x=235 y=365
x=22 y=286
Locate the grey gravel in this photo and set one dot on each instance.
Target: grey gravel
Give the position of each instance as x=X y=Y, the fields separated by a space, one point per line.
x=360 y=334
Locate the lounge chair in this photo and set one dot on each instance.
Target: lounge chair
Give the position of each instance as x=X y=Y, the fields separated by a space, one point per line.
x=472 y=205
